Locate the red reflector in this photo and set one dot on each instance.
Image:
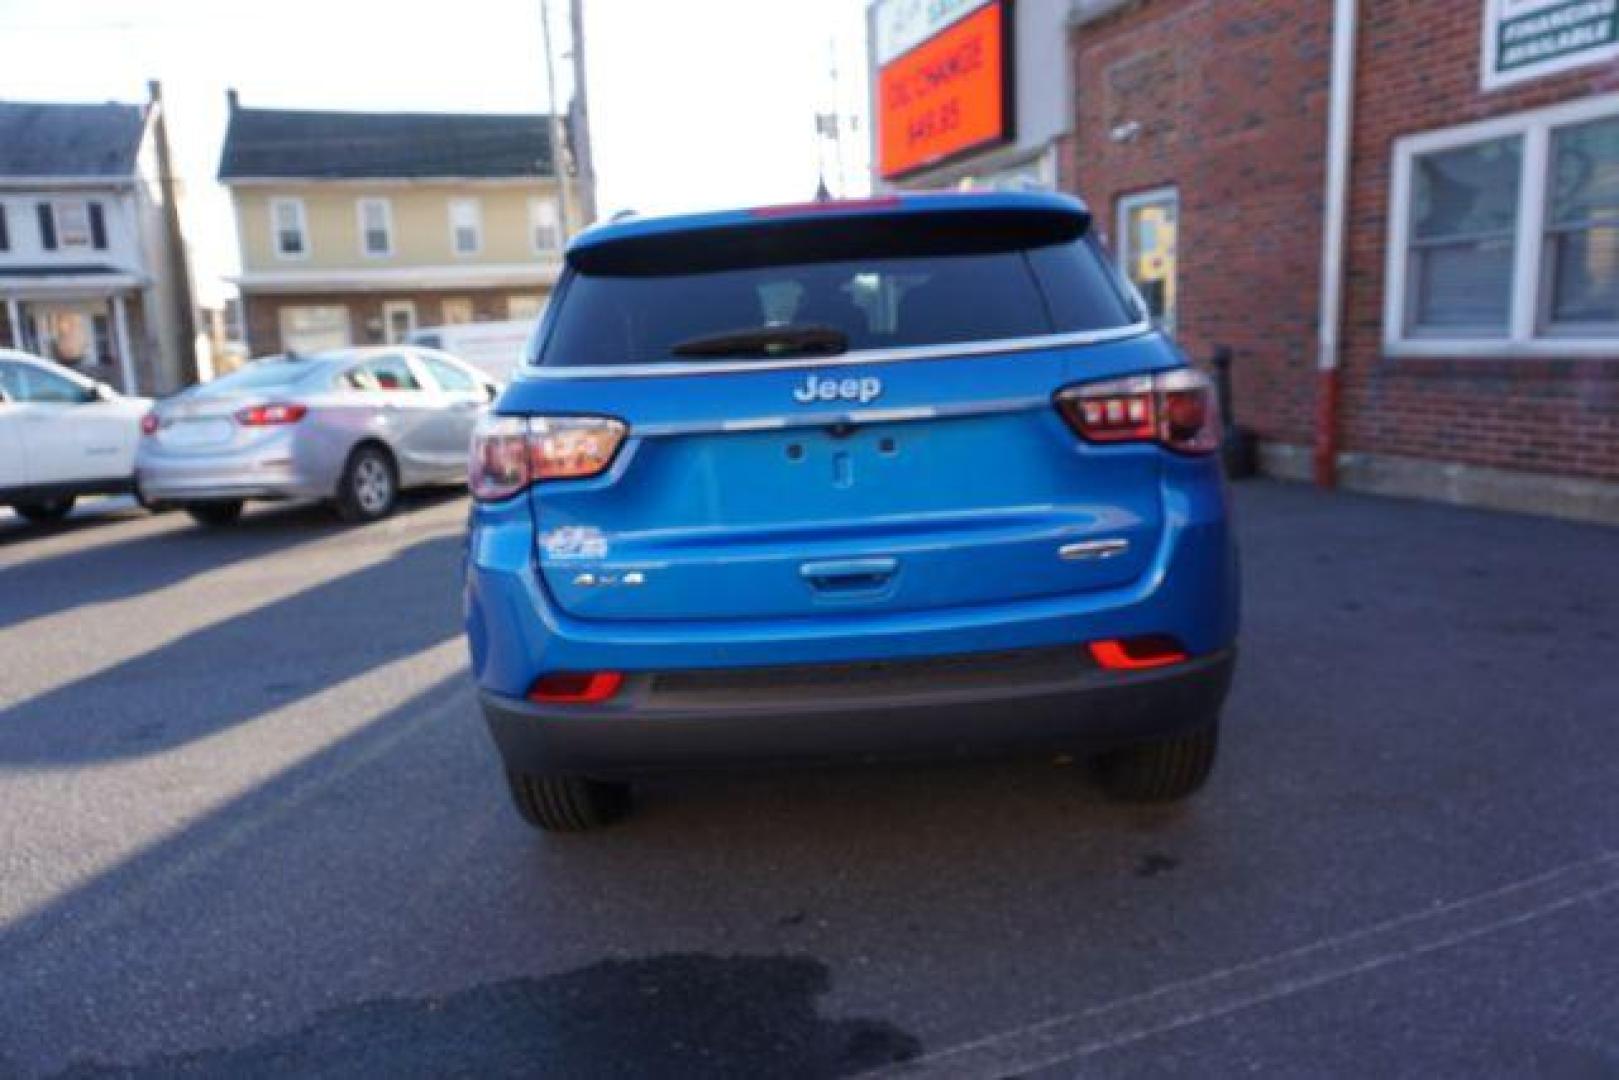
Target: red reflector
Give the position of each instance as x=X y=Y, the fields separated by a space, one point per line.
x=1137 y=653
x=149 y=424
x=270 y=415
x=575 y=687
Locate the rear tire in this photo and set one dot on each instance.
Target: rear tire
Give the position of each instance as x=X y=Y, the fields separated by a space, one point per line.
x=568 y=803
x=215 y=515
x=1164 y=770
x=369 y=488
x=45 y=513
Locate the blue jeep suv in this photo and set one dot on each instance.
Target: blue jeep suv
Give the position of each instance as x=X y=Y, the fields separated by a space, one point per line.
x=902 y=476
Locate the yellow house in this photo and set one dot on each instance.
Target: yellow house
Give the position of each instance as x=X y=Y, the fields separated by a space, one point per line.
x=357 y=228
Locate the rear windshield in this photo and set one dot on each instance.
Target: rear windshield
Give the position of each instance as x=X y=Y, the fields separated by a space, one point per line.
x=607 y=318
x=262 y=375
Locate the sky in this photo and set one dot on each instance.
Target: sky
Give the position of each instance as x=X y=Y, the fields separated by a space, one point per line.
x=694 y=105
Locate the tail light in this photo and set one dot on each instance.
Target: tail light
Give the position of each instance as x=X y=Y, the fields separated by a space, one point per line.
x=1137 y=653
x=1177 y=409
x=270 y=415
x=511 y=452
x=575 y=687
x=150 y=424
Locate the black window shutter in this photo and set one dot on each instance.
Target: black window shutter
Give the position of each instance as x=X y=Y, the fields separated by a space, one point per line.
x=5 y=234
x=98 y=228
x=47 y=227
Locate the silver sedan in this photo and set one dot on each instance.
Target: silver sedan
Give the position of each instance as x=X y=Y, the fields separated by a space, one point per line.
x=355 y=426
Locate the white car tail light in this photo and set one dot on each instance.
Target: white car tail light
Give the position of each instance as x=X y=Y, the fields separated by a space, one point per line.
x=1176 y=409
x=511 y=452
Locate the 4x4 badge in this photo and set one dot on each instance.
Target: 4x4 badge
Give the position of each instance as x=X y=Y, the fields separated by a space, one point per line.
x=816 y=388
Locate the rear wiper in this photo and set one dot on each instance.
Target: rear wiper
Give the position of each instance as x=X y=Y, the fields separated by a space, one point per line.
x=805 y=340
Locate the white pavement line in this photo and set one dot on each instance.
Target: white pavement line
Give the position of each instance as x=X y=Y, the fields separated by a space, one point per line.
x=1177 y=1005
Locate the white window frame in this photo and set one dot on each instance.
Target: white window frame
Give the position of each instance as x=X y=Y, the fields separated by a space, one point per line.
x=299 y=212
x=477 y=225
x=389 y=308
x=545 y=211
x=1525 y=338
x=360 y=207
x=1122 y=242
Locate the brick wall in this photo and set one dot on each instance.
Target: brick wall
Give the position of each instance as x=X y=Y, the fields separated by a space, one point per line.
x=1418 y=70
x=263 y=313
x=1231 y=96
x=1231 y=99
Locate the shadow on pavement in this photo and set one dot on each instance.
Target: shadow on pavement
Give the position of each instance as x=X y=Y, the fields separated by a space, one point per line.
x=143 y=563
x=674 y=1015
x=213 y=679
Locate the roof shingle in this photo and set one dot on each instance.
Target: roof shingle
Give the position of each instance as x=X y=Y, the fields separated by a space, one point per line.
x=49 y=140
x=292 y=144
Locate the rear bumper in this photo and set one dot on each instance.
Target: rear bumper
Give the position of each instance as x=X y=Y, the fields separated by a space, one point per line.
x=1089 y=710
x=246 y=477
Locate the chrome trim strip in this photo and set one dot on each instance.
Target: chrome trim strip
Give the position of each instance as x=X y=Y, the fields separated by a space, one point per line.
x=852 y=419
x=1093 y=549
x=868 y=356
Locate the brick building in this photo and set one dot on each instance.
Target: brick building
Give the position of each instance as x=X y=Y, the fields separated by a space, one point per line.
x=1478 y=341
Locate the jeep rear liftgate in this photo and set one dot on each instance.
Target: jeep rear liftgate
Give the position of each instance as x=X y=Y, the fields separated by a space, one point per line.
x=818 y=419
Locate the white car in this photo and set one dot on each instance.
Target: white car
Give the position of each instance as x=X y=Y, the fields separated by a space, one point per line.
x=61 y=436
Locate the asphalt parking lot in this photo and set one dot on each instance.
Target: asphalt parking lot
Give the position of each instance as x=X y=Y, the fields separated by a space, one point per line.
x=250 y=825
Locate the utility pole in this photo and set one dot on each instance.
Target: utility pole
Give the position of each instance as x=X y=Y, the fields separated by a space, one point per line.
x=580 y=112
x=564 y=196
x=184 y=300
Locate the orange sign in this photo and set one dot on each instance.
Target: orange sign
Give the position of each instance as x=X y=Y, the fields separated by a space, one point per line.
x=944 y=97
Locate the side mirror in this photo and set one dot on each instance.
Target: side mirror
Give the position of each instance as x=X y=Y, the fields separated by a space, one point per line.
x=491 y=391
x=102 y=392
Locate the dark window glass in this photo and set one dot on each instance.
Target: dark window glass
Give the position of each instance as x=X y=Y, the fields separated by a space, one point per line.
x=5 y=233
x=877 y=303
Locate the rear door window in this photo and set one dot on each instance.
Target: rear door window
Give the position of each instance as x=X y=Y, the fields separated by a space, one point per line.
x=387 y=374
x=875 y=303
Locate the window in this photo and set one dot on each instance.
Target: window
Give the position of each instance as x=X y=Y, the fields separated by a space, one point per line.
x=450 y=378
x=524 y=308
x=457 y=310
x=1462 y=234
x=386 y=374
x=545 y=226
x=314 y=328
x=1582 y=242
x=1504 y=237
x=398 y=320
x=98 y=227
x=289 y=228
x=376 y=227
x=5 y=231
x=27 y=383
x=72 y=225
x=466 y=226
x=889 y=299
x=1147 y=245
